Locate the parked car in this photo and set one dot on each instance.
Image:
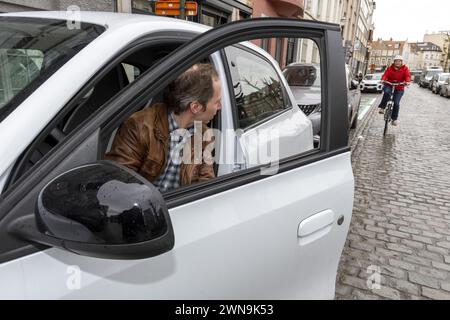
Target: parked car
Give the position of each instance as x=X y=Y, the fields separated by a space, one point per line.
x=75 y=226
x=427 y=74
x=305 y=82
x=353 y=98
x=307 y=93
x=445 y=89
x=415 y=75
x=437 y=81
x=372 y=83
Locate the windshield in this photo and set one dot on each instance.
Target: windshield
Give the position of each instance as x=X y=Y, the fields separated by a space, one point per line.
x=373 y=77
x=31 y=50
x=432 y=73
x=303 y=76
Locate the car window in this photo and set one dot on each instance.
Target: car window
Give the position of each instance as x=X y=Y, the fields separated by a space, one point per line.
x=257 y=87
x=131 y=71
x=19 y=68
x=303 y=76
x=373 y=77
x=432 y=73
x=31 y=50
x=82 y=107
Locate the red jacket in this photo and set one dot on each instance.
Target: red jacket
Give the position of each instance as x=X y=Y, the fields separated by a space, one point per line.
x=393 y=75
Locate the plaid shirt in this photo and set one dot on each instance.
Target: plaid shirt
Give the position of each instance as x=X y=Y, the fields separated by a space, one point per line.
x=170 y=178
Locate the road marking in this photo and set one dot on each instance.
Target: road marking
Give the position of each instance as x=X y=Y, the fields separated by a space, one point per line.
x=364 y=106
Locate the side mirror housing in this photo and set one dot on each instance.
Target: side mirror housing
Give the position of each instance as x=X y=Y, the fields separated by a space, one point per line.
x=103 y=210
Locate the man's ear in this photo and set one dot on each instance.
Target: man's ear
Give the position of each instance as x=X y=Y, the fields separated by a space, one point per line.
x=195 y=107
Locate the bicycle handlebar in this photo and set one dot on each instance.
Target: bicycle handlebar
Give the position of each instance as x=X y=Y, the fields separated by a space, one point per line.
x=396 y=84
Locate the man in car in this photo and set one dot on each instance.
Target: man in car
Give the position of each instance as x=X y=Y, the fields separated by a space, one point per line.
x=396 y=73
x=158 y=142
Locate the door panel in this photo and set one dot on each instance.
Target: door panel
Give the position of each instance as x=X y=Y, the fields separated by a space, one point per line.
x=240 y=244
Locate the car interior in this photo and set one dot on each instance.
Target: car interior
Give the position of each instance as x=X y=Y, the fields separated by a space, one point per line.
x=119 y=77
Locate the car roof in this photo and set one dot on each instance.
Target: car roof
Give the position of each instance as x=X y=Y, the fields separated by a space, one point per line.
x=110 y=20
x=115 y=20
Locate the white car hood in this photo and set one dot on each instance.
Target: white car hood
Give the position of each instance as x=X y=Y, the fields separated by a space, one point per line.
x=371 y=82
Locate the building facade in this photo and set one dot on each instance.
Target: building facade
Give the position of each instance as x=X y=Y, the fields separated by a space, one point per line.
x=383 y=52
x=283 y=50
x=349 y=22
x=442 y=39
x=424 y=54
x=363 y=37
x=210 y=12
x=55 y=5
x=319 y=10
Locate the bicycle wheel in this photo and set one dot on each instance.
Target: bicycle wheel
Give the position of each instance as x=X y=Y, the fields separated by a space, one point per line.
x=387 y=116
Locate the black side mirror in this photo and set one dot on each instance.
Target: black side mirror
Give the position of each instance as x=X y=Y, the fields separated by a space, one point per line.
x=102 y=210
x=354 y=84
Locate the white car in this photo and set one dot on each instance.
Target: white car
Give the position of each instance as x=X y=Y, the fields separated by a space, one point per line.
x=75 y=227
x=445 y=89
x=372 y=83
x=438 y=81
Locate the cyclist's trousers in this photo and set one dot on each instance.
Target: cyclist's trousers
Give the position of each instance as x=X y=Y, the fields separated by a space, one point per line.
x=386 y=96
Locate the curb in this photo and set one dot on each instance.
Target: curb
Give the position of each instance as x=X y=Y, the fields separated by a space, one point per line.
x=361 y=130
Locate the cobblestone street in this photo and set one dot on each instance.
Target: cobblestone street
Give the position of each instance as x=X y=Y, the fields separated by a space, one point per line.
x=398 y=246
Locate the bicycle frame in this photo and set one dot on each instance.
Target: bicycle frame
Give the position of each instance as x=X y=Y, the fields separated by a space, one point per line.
x=390 y=105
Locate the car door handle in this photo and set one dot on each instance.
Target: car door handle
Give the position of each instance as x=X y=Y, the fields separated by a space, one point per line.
x=315 y=227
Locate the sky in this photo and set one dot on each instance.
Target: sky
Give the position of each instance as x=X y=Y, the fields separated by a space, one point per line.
x=410 y=19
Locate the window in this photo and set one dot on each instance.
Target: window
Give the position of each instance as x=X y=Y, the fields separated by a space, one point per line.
x=31 y=50
x=291 y=50
x=19 y=68
x=96 y=94
x=258 y=90
x=303 y=76
x=278 y=48
x=265 y=44
x=213 y=17
x=131 y=71
x=315 y=56
x=304 y=51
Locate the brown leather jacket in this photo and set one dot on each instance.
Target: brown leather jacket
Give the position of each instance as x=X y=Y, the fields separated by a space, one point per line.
x=142 y=144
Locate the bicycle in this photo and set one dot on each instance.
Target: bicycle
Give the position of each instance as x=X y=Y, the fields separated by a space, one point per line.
x=390 y=105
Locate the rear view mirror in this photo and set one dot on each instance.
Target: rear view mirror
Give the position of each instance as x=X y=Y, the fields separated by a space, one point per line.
x=102 y=210
x=354 y=85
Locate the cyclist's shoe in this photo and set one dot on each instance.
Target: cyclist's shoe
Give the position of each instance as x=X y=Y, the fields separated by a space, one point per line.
x=381 y=110
x=395 y=122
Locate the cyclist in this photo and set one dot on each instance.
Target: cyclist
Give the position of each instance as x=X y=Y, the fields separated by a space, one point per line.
x=396 y=73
